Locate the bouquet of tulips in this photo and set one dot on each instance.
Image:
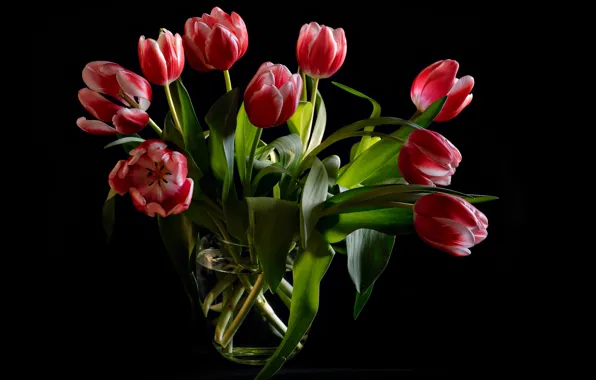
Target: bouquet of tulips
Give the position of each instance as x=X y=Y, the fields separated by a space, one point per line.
x=217 y=175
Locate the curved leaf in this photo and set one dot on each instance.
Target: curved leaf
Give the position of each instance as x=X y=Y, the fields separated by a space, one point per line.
x=289 y=150
x=245 y=135
x=368 y=253
x=299 y=122
x=309 y=269
x=273 y=225
x=332 y=164
x=108 y=212
x=124 y=140
x=320 y=124
x=171 y=134
x=361 y=300
x=313 y=196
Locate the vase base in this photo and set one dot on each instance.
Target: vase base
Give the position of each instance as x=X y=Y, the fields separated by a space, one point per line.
x=257 y=356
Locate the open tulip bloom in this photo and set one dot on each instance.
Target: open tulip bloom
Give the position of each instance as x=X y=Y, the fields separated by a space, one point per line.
x=216 y=175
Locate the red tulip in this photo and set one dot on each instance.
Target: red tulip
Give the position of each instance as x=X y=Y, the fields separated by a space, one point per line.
x=427 y=158
x=162 y=61
x=108 y=78
x=272 y=95
x=320 y=50
x=156 y=178
x=449 y=223
x=215 y=41
x=438 y=80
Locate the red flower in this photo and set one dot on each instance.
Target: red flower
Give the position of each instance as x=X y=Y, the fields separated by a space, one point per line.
x=272 y=95
x=162 y=61
x=320 y=50
x=156 y=178
x=108 y=78
x=427 y=158
x=449 y=223
x=438 y=80
x=215 y=41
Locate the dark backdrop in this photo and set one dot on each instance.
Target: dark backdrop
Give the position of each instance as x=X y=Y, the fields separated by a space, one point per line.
x=120 y=309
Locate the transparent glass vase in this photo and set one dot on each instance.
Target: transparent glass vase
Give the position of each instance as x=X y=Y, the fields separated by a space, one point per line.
x=247 y=325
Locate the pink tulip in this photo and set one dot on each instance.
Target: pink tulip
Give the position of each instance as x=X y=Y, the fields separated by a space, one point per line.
x=215 y=41
x=427 y=158
x=156 y=178
x=449 y=223
x=438 y=80
x=272 y=95
x=320 y=50
x=162 y=61
x=108 y=78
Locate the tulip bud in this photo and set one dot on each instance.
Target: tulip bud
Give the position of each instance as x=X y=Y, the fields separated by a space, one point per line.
x=320 y=50
x=215 y=41
x=272 y=95
x=438 y=80
x=162 y=61
x=449 y=223
x=427 y=158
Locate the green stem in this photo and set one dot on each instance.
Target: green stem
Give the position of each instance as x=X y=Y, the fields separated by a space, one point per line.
x=134 y=104
x=284 y=298
x=251 y=161
x=227 y=238
x=221 y=285
x=313 y=99
x=303 y=97
x=226 y=314
x=228 y=80
x=155 y=127
x=173 y=108
x=248 y=304
x=286 y=287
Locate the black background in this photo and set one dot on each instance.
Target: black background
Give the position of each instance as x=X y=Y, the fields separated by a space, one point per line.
x=120 y=309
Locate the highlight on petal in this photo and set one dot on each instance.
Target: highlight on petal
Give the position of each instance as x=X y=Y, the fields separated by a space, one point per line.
x=100 y=76
x=420 y=81
x=117 y=183
x=264 y=107
x=97 y=105
x=153 y=62
x=129 y=121
x=135 y=86
x=221 y=48
x=95 y=127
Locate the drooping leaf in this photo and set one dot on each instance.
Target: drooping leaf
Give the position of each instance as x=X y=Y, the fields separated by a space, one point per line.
x=318 y=130
x=221 y=119
x=313 y=196
x=273 y=225
x=374 y=158
x=125 y=140
x=194 y=136
x=109 y=214
x=392 y=221
x=361 y=300
x=288 y=148
x=309 y=268
x=245 y=136
x=299 y=122
x=332 y=164
x=171 y=134
x=368 y=255
x=131 y=144
x=366 y=141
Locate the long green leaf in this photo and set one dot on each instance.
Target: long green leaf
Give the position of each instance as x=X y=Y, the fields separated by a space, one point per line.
x=194 y=136
x=271 y=169
x=199 y=214
x=361 y=300
x=131 y=144
x=383 y=152
x=236 y=215
x=221 y=119
x=171 y=134
x=320 y=123
x=109 y=214
x=309 y=269
x=368 y=255
x=366 y=141
x=298 y=123
x=289 y=149
x=124 y=140
x=245 y=136
x=313 y=196
x=273 y=225
x=332 y=164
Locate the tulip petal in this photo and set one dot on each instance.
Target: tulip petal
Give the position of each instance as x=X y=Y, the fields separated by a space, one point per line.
x=410 y=173
x=432 y=144
x=322 y=53
x=420 y=81
x=135 y=86
x=195 y=56
x=297 y=80
x=180 y=201
x=425 y=163
x=130 y=120
x=241 y=33
x=153 y=62
x=222 y=18
x=96 y=127
x=98 y=106
x=438 y=83
x=445 y=206
x=141 y=204
x=168 y=46
x=441 y=181
x=260 y=70
x=445 y=232
x=258 y=81
x=449 y=116
x=177 y=165
x=264 y=106
x=456 y=97
x=308 y=34
x=156 y=149
x=281 y=74
x=288 y=94
x=100 y=76
x=340 y=56
x=480 y=235
x=221 y=48
x=117 y=183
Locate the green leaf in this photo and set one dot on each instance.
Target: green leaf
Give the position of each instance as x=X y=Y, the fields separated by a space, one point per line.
x=221 y=120
x=392 y=221
x=171 y=134
x=128 y=146
x=383 y=152
x=179 y=239
x=320 y=124
x=198 y=213
x=299 y=122
x=245 y=137
x=366 y=141
x=332 y=164
x=309 y=269
x=369 y=252
x=273 y=225
x=271 y=169
x=194 y=136
x=236 y=215
x=387 y=174
x=124 y=140
x=361 y=300
x=289 y=149
x=313 y=196
x=109 y=214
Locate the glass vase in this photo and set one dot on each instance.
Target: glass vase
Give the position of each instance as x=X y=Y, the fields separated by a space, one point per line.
x=247 y=324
